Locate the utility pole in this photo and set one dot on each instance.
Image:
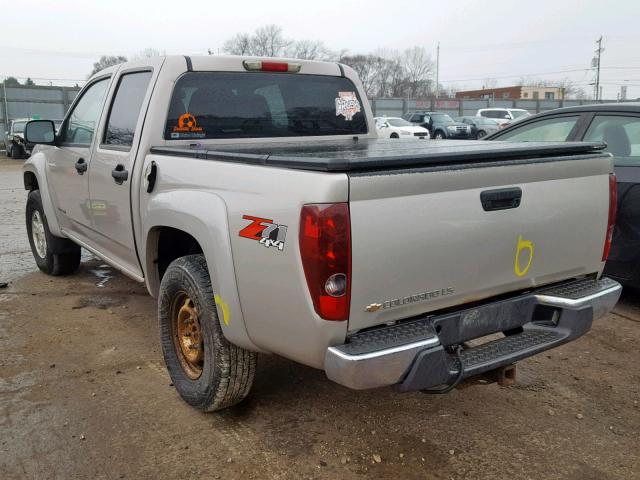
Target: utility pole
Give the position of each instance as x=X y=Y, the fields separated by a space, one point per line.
x=437 y=69
x=599 y=51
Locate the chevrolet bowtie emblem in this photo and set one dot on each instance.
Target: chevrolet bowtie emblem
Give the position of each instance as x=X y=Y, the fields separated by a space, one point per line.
x=373 y=307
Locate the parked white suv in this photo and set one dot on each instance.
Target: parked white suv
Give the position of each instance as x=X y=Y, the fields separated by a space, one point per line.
x=503 y=115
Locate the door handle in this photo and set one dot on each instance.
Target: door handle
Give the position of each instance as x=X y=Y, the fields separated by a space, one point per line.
x=119 y=174
x=81 y=166
x=501 y=199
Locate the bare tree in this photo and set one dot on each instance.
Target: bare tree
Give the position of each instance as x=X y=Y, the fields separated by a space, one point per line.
x=310 y=50
x=418 y=69
x=148 y=53
x=268 y=41
x=240 y=44
x=365 y=67
x=107 y=61
x=489 y=83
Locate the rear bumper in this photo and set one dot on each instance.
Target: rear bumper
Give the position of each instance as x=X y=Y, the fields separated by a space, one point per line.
x=414 y=355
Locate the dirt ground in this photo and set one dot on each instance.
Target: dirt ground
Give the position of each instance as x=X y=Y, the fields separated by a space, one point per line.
x=84 y=394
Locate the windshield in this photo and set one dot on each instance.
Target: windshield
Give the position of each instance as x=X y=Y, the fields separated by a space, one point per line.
x=18 y=127
x=519 y=113
x=224 y=105
x=398 y=122
x=441 y=118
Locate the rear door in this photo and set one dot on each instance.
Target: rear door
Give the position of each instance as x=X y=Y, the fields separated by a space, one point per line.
x=112 y=164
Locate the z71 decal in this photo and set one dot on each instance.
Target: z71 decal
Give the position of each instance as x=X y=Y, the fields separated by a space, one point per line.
x=264 y=231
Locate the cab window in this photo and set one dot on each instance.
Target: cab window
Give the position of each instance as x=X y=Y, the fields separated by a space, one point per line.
x=555 y=129
x=621 y=134
x=125 y=109
x=80 y=126
x=227 y=105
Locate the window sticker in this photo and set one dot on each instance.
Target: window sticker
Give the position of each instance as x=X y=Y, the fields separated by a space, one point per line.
x=347 y=105
x=187 y=127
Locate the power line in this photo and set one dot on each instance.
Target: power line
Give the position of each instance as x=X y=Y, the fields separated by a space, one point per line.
x=45 y=79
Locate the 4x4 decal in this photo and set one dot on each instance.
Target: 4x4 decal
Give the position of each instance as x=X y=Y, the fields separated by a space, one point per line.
x=264 y=231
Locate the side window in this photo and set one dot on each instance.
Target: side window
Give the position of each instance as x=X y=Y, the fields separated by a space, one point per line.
x=125 y=108
x=416 y=118
x=621 y=134
x=81 y=124
x=485 y=114
x=550 y=130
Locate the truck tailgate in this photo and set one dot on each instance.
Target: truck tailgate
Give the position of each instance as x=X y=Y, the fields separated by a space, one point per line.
x=422 y=240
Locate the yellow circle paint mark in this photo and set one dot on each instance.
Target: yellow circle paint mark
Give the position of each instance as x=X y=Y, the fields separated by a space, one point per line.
x=523 y=245
x=224 y=307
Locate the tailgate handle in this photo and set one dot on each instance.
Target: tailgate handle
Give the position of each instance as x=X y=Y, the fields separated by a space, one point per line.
x=501 y=198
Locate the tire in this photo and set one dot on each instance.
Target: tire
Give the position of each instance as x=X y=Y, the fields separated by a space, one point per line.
x=394 y=135
x=53 y=255
x=16 y=152
x=481 y=133
x=439 y=135
x=213 y=374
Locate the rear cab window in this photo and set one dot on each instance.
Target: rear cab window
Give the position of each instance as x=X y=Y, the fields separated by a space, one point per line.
x=229 y=105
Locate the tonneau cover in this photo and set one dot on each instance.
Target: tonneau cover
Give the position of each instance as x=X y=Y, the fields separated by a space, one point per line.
x=379 y=154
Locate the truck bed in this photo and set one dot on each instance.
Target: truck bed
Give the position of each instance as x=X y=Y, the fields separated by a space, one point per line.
x=383 y=154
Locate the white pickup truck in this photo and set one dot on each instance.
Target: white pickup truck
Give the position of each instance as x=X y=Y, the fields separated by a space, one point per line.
x=253 y=198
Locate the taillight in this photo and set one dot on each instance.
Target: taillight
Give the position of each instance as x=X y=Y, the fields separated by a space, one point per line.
x=325 y=247
x=270 y=66
x=611 y=222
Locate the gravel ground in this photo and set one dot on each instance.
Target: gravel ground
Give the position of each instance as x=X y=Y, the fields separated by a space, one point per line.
x=84 y=394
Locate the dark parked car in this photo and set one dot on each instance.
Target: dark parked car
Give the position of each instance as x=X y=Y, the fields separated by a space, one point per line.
x=617 y=125
x=480 y=126
x=14 y=139
x=440 y=125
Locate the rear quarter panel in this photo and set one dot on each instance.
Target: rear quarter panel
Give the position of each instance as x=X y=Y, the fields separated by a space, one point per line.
x=265 y=290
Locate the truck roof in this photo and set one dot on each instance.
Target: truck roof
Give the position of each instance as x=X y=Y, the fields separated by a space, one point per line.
x=383 y=154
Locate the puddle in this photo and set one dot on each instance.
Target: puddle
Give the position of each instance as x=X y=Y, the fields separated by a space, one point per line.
x=104 y=274
x=99 y=301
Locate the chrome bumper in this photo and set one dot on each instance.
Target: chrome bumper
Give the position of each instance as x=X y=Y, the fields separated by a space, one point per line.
x=388 y=355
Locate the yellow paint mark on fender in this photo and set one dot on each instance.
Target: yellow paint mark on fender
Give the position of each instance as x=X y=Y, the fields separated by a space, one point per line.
x=224 y=307
x=523 y=245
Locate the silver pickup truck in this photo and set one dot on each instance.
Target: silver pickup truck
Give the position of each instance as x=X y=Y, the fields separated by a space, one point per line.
x=255 y=201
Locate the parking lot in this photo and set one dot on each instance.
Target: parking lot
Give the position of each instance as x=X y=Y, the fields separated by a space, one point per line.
x=84 y=394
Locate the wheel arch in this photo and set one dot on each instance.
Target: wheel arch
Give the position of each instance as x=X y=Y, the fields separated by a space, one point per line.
x=183 y=222
x=34 y=178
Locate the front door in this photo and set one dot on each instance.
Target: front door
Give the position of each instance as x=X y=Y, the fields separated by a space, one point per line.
x=111 y=171
x=68 y=162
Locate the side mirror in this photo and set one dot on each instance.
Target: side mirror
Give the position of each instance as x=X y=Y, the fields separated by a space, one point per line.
x=507 y=116
x=40 y=131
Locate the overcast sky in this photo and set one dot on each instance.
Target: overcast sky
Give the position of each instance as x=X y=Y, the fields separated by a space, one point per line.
x=504 y=40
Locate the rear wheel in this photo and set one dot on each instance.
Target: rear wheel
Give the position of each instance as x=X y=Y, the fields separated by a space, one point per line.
x=481 y=133
x=394 y=135
x=207 y=370
x=53 y=255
